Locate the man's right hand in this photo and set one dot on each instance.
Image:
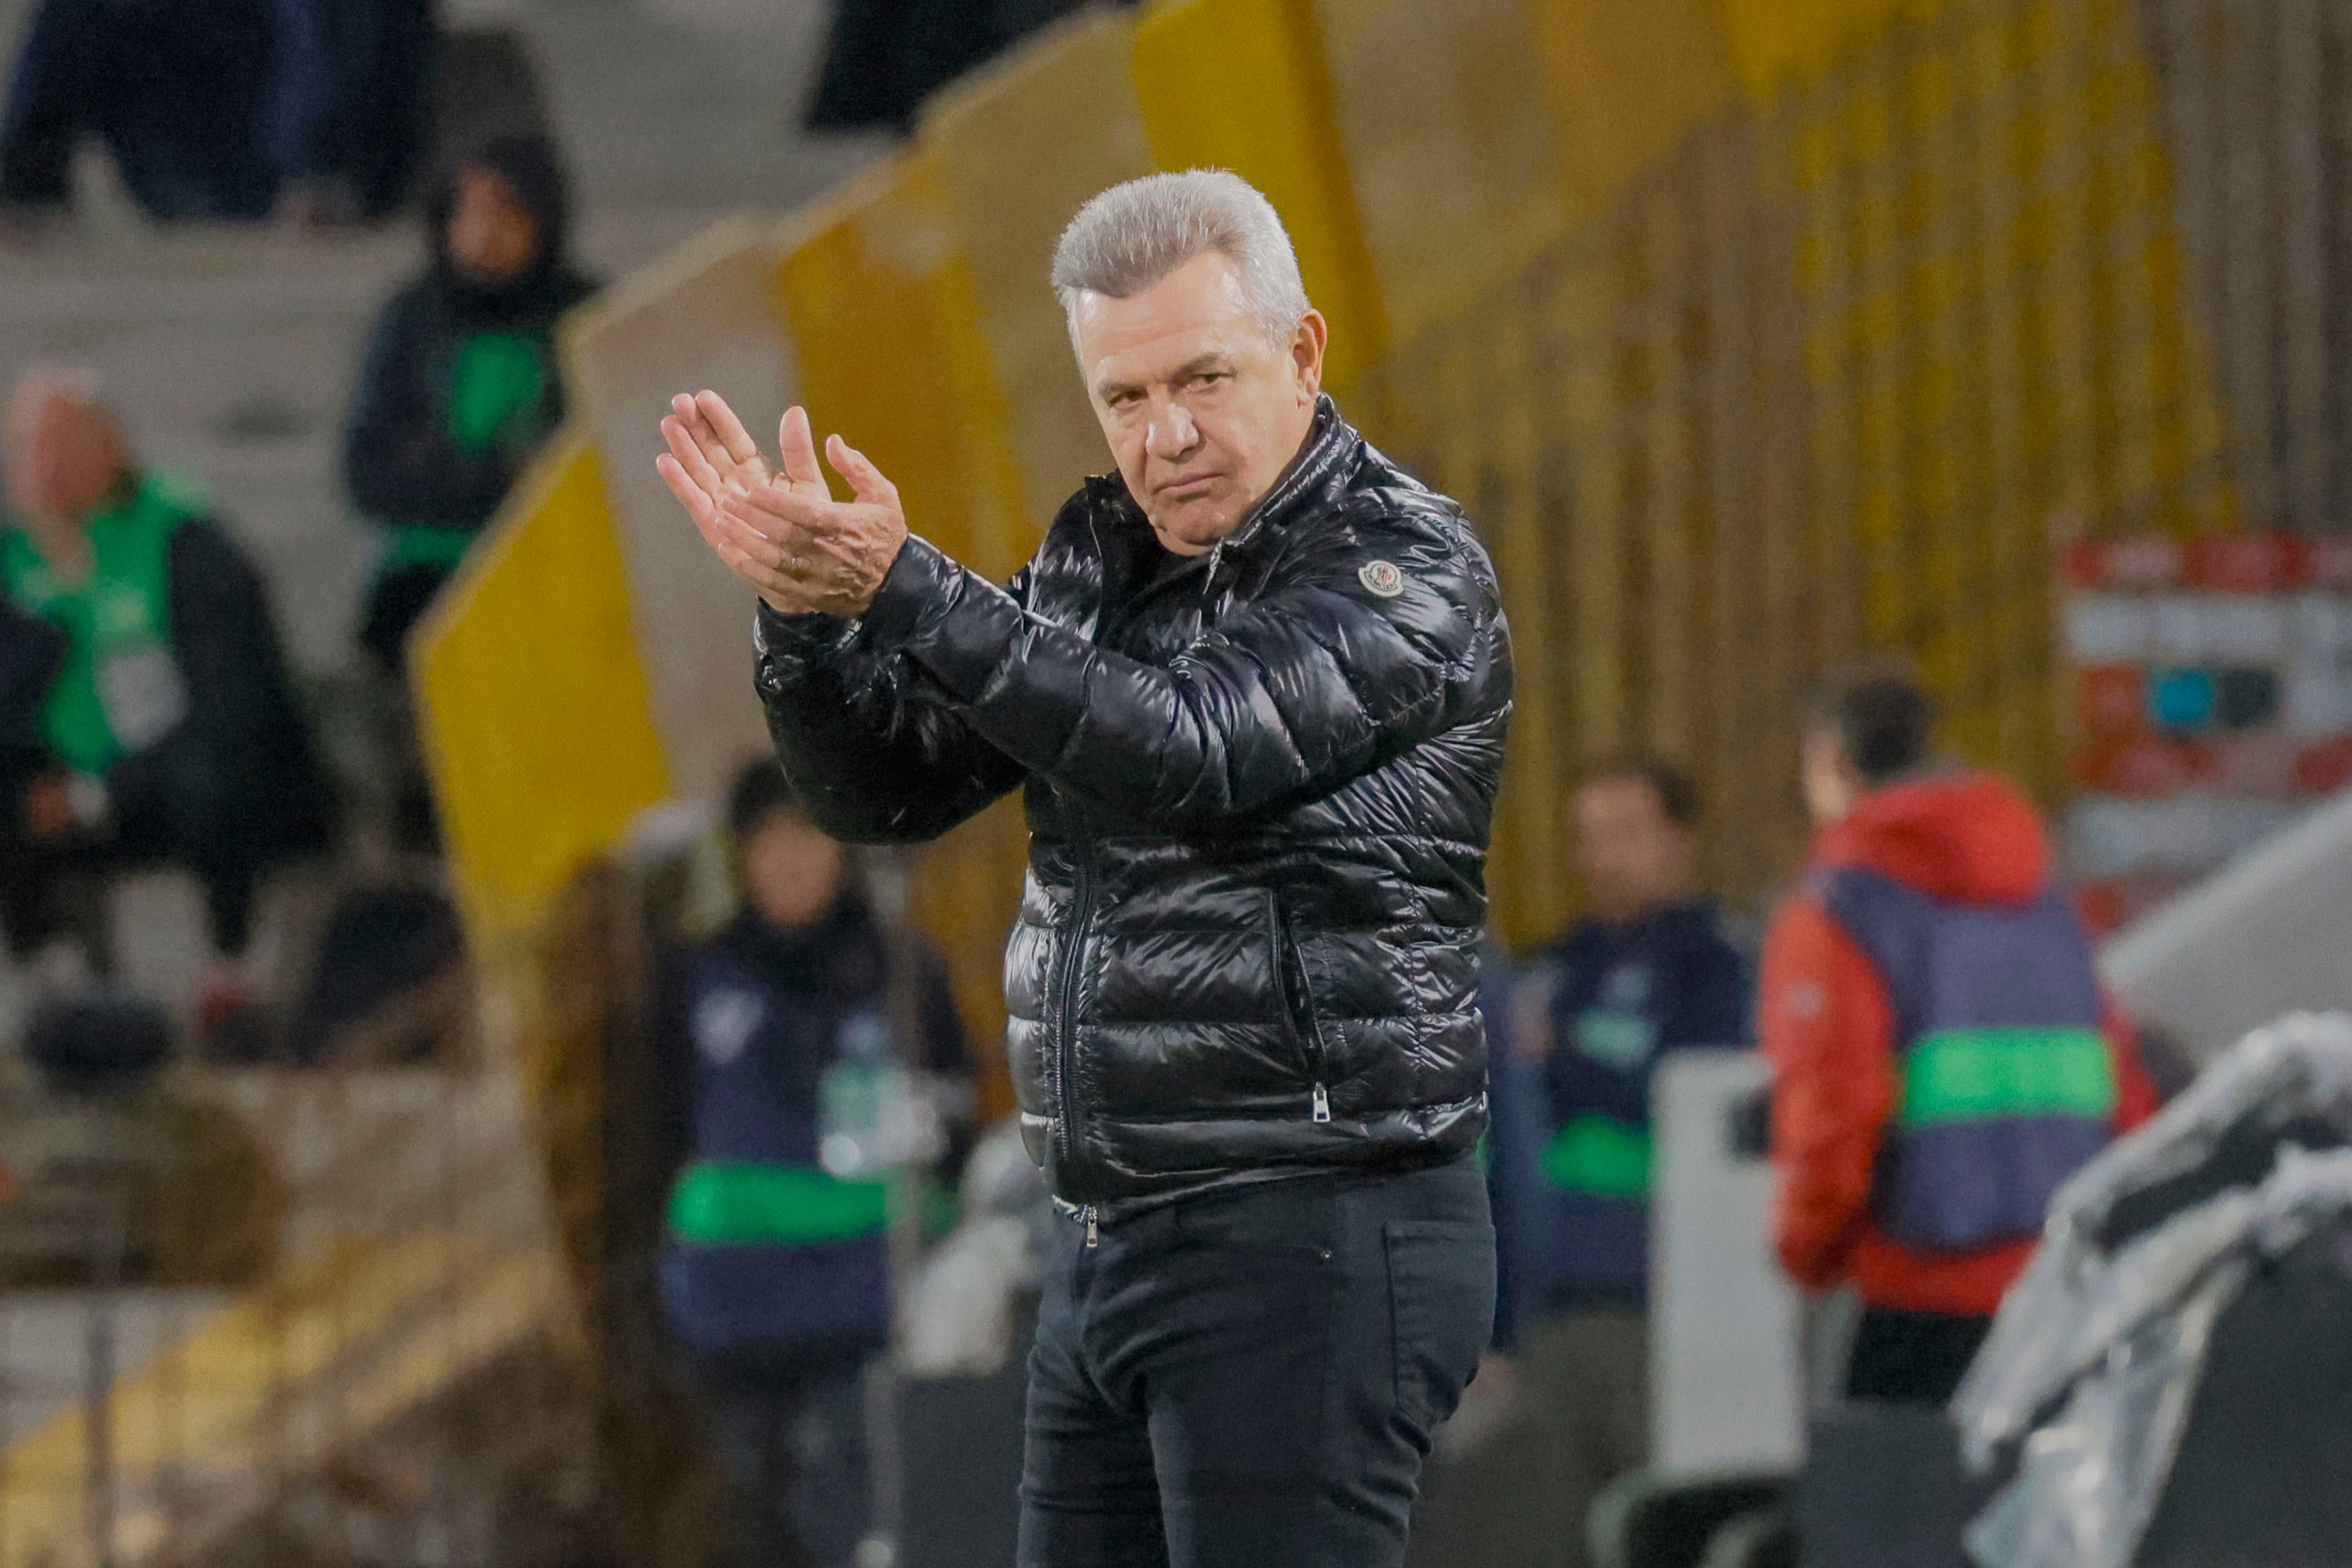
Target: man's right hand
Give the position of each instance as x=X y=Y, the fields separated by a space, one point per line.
x=711 y=456
x=48 y=807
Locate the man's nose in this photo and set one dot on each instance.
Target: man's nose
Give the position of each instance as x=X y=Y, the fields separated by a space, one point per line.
x=1172 y=435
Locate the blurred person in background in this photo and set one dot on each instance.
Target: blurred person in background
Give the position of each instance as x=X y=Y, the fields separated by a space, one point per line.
x=183 y=94
x=774 y=1274
x=1649 y=968
x=145 y=712
x=459 y=383
x=1943 y=1056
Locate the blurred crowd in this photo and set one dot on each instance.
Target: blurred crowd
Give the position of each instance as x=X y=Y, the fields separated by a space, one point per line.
x=224 y=110
x=147 y=711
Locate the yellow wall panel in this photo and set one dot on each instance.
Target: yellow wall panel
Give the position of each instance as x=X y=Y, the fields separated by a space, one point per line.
x=1447 y=134
x=1013 y=174
x=703 y=316
x=1242 y=85
x=886 y=335
x=531 y=702
x=1776 y=42
x=1626 y=83
x=885 y=324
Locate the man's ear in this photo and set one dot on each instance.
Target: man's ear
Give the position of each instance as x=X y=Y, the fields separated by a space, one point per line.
x=1307 y=342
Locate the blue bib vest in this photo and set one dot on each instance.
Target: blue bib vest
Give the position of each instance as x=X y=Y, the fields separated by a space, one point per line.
x=1613 y=1001
x=763 y=1247
x=2005 y=1083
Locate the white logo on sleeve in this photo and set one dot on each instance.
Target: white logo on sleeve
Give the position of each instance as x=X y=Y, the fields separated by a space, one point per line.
x=1381 y=577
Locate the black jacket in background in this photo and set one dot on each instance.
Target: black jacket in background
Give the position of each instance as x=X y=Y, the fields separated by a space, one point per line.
x=400 y=463
x=242 y=709
x=1259 y=785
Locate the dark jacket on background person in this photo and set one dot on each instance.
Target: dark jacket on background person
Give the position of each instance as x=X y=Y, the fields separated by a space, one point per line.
x=765 y=1252
x=233 y=700
x=1943 y=1056
x=1610 y=1000
x=1259 y=785
x=458 y=387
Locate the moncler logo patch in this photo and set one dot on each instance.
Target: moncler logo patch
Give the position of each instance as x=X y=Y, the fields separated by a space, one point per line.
x=1381 y=577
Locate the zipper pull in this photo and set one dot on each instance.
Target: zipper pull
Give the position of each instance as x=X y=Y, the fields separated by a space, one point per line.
x=1322 y=1103
x=1094 y=1233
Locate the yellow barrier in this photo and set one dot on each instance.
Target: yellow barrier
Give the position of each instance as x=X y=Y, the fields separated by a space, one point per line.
x=1013 y=176
x=1244 y=85
x=704 y=315
x=885 y=325
x=531 y=702
x=1626 y=84
x=886 y=333
x=1448 y=145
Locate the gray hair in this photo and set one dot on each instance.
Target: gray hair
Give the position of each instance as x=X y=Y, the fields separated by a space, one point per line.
x=1131 y=236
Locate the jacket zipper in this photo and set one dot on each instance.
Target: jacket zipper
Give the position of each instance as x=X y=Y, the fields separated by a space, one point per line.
x=1066 y=1032
x=1285 y=953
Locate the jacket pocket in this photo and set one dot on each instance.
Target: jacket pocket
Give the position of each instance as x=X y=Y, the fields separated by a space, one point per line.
x=1293 y=996
x=1441 y=1314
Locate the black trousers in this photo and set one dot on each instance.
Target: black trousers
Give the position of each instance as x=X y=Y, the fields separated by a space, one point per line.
x=179 y=92
x=1912 y=1358
x=222 y=819
x=1251 y=1379
x=791 y=1436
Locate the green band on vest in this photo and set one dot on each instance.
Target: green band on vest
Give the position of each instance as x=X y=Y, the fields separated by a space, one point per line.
x=739 y=1204
x=498 y=381
x=1596 y=1155
x=422 y=544
x=1982 y=1074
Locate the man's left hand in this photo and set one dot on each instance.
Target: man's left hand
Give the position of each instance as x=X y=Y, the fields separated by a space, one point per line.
x=829 y=555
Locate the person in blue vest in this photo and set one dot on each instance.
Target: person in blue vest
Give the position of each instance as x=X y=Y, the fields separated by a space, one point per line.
x=1650 y=969
x=1943 y=1056
x=146 y=715
x=774 y=1274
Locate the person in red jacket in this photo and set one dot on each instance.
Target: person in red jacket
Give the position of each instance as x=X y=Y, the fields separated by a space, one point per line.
x=1942 y=1053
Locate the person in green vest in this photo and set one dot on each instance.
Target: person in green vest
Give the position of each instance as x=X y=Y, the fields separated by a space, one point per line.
x=145 y=713
x=458 y=385
x=775 y=1272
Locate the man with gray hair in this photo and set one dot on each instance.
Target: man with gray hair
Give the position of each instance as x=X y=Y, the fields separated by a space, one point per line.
x=1254 y=685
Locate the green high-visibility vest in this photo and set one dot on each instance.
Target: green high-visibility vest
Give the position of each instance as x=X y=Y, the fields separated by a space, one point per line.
x=120 y=690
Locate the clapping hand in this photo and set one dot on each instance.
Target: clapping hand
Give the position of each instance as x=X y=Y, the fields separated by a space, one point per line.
x=783 y=533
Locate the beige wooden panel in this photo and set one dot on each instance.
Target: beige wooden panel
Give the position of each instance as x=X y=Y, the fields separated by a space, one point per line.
x=1449 y=143
x=1013 y=174
x=703 y=317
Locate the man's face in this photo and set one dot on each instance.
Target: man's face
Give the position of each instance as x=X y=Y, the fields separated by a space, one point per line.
x=492 y=236
x=1636 y=858
x=792 y=871
x=1201 y=412
x=63 y=455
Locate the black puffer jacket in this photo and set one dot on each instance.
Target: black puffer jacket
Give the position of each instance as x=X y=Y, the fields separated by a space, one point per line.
x=1259 y=790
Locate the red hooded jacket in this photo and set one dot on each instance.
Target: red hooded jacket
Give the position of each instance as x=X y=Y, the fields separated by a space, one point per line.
x=1827 y=1028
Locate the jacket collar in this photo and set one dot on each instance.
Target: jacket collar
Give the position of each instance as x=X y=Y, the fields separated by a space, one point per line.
x=1328 y=453
x=1330 y=446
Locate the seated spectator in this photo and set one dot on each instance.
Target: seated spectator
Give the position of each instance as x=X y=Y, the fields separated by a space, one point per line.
x=775 y=1275
x=1648 y=969
x=1942 y=1054
x=181 y=92
x=459 y=384
x=145 y=714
